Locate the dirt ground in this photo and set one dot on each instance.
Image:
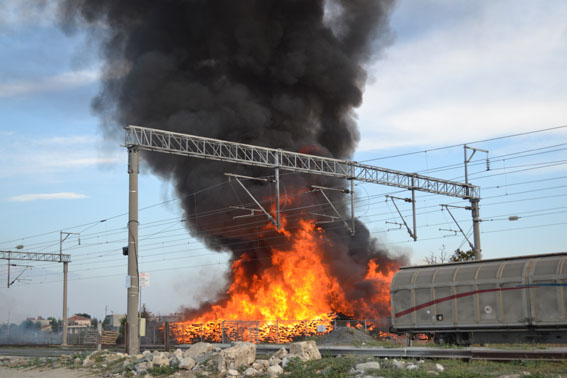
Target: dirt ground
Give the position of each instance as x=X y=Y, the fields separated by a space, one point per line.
x=6 y=372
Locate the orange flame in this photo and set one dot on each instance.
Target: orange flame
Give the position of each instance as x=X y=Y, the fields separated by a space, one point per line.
x=297 y=286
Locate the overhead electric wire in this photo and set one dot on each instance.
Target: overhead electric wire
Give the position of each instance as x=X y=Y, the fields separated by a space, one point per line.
x=358 y=202
x=262 y=222
x=92 y=224
x=253 y=248
x=468 y=143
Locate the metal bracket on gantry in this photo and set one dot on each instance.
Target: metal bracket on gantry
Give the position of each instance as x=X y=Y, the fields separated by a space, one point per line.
x=412 y=233
x=26 y=267
x=446 y=207
x=316 y=188
x=261 y=208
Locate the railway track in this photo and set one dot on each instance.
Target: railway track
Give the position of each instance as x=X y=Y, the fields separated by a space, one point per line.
x=489 y=354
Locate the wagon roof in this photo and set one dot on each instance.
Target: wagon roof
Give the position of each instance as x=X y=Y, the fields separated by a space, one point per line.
x=526 y=257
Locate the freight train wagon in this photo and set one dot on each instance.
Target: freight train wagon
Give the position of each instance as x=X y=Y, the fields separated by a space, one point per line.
x=521 y=299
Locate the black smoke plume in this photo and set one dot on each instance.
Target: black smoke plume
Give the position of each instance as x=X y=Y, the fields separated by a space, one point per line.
x=277 y=73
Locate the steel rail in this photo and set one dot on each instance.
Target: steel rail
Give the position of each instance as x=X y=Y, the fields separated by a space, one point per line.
x=472 y=353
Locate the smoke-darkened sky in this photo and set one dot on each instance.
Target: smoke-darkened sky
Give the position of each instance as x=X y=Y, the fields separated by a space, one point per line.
x=279 y=74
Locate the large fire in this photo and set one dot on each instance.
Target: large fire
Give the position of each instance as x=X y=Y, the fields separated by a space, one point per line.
x=293 y=297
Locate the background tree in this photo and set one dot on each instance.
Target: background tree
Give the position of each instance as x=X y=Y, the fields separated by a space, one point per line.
x=29 y=324
x=459 y=255
x=56 y=325
x=83 y=315
x=442 y=257
x=145 y=313
x=121 y=331
x=107 y=323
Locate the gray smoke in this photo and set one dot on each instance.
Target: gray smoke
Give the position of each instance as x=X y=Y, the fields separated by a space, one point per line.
x=277 y=73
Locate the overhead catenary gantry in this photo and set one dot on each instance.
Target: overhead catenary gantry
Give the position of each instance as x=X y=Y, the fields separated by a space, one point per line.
x=51 y=257
x=214 y=149
x=143 y=138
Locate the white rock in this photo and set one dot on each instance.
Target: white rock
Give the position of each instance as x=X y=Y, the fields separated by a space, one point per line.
x=274 y=361
x=367 y=366
x=142 y=367
x=242 y=354
x=219 y=360
x=174 y=361
x=280 y=353
x=412 y=367
x=305 y=350
x=398 y=364
x=275 y=370
x=178 y=353
x=259 y=366
x=286 y=361
x=186 y=363
x=198 y=349
x=439 y=367
x=265 y=363
x=160 y=360
x=233 y=372
x=250 y=372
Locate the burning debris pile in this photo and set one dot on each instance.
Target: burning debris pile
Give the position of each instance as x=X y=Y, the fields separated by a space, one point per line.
x=277 y=73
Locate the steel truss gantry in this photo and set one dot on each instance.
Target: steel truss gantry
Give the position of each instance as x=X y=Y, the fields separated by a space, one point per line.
x=232 y=152
x=138 y=137
x=34 y=256
x=50 y=257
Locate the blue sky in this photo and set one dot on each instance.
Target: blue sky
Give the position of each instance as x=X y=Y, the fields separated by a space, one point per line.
x=457 y=72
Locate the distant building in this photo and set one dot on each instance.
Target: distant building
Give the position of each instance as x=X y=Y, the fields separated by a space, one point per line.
x=40 y=320
x=76 y=324
x=113 y=321
x=79 y=321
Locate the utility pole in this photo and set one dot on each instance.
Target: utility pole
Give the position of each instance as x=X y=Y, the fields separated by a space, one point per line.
x=132 y=280
x=65 y=271
x=475 y=201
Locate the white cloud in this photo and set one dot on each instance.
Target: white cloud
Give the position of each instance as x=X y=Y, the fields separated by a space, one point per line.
x=46 y=196
x=54 y=156
x=27 y=12
x=67 y=80
x=75 y=139
x=62 y=162
x=500 y=69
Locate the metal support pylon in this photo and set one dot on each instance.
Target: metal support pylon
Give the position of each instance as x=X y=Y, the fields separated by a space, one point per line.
x=132 y=281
